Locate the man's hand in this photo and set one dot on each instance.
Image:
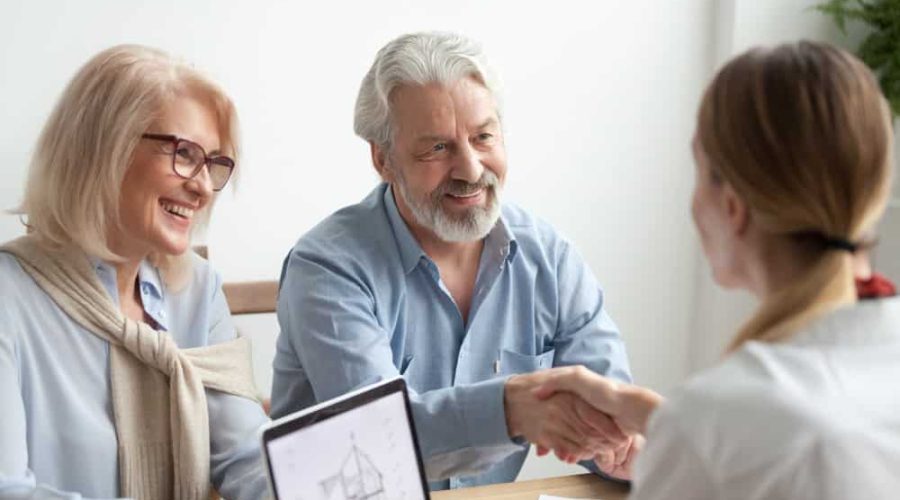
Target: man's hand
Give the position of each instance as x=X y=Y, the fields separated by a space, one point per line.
x=628 y=405
x=618 y=462
x=561 y=422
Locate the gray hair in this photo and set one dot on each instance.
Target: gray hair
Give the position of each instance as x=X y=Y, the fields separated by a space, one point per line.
x=418 y=58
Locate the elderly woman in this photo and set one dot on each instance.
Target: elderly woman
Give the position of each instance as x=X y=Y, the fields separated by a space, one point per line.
x=793 y=151
x=120 y=374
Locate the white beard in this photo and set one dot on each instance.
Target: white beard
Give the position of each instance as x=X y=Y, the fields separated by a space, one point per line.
x=473 y=225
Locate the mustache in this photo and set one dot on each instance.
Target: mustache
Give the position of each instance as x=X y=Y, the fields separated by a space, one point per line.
x=456 y=187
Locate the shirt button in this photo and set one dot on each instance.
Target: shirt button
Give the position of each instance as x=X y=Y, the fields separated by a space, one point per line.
x=162 y=313
x=145 y=288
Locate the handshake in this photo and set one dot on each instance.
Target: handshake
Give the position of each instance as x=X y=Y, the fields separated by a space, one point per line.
x=580 y=415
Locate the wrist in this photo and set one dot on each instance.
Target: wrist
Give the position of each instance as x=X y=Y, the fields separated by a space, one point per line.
x=642 y=403
x=511 y=394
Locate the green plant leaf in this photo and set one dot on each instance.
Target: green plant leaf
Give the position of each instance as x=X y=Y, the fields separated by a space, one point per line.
x=880 y=50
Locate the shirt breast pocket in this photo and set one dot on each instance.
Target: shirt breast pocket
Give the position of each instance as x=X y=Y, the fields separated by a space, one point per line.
x=512 y=362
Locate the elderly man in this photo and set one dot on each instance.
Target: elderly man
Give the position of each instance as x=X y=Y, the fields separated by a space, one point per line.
x=432 y=278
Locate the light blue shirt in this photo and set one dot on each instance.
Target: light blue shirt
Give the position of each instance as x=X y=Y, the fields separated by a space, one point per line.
x=361 y=301
x=57 y=432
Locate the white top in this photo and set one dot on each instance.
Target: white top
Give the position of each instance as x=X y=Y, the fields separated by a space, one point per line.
x=817 y=417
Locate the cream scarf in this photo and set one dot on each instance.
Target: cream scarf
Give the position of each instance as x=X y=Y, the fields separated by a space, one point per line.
x=159 y=402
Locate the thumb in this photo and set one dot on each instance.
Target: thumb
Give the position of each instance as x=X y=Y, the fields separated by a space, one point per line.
x=545 y=390
x=555 y=380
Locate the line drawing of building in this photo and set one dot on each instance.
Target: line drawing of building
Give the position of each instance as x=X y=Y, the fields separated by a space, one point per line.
x=357 y=479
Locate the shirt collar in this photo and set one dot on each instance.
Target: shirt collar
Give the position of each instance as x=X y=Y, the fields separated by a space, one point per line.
x=500 y=237
x=149 y=283
x=152 y=295
x=502 y=240
x=149 y=279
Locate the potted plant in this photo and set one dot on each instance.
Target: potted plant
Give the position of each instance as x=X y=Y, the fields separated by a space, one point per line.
x=880 y=49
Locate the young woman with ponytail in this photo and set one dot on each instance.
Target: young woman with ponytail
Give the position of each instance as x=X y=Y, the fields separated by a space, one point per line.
x=793 y=151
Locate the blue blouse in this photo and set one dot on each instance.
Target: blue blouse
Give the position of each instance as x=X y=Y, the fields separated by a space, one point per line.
x=57 y=432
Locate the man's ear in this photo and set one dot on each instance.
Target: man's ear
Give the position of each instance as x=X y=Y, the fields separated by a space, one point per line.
x=736 y=210
x=380 y=162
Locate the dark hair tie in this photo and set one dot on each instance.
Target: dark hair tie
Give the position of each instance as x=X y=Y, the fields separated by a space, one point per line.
x=828 y=242
x=840 y=244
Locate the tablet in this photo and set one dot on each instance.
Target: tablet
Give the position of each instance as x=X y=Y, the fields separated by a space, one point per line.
x=361 y=445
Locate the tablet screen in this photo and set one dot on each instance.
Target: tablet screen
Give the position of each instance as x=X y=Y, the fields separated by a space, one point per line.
x=366 y=452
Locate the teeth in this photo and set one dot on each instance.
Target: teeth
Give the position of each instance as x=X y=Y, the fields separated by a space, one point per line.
x=470 y=195
x=185 y=212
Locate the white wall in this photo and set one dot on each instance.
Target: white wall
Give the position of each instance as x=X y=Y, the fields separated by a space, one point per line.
x=600 y=101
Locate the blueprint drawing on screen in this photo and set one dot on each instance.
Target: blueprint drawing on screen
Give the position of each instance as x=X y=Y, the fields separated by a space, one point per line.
x=363 y=454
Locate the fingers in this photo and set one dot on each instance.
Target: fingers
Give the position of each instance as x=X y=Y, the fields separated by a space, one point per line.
x=560 y=379
x=621 y=453
x=634 y=450
x=563 y=422
x=560 y=437
x=601 y=423
x=561 y=430
x=605 y=461
x=629 y=405
x=619 y=462
x=636 y=406
x=592 y=429
x=571 y=451
x=600 y=392
x=543 y=451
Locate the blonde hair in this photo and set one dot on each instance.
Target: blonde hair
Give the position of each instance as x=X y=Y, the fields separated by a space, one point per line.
x=803 y=135
x=87 y=144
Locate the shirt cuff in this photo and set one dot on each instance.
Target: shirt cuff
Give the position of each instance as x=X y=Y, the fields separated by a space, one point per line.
x=592 y=466
x=484 y=413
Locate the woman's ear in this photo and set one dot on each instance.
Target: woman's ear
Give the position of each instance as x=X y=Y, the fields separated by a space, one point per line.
x=736 y=210
x=380 y=162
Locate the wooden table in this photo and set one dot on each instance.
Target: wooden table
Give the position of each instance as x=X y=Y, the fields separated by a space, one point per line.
x=580 y=486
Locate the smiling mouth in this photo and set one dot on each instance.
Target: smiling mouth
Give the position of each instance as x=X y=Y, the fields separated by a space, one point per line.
x=177 y=210
x=465 y=196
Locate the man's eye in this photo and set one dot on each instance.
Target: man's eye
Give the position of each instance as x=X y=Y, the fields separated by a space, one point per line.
x=485 y=137
x=439 y=147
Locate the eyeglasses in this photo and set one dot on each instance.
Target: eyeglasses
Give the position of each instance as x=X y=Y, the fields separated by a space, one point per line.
x=188 y=159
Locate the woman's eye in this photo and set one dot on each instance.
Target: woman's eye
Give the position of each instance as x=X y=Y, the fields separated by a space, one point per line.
x=485 y=137
x=184 y=153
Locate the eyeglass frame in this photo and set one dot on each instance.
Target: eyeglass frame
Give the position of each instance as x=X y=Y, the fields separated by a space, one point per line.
x=207 y=160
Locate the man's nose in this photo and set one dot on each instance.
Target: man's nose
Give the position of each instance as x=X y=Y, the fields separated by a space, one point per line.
x=468 y=165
